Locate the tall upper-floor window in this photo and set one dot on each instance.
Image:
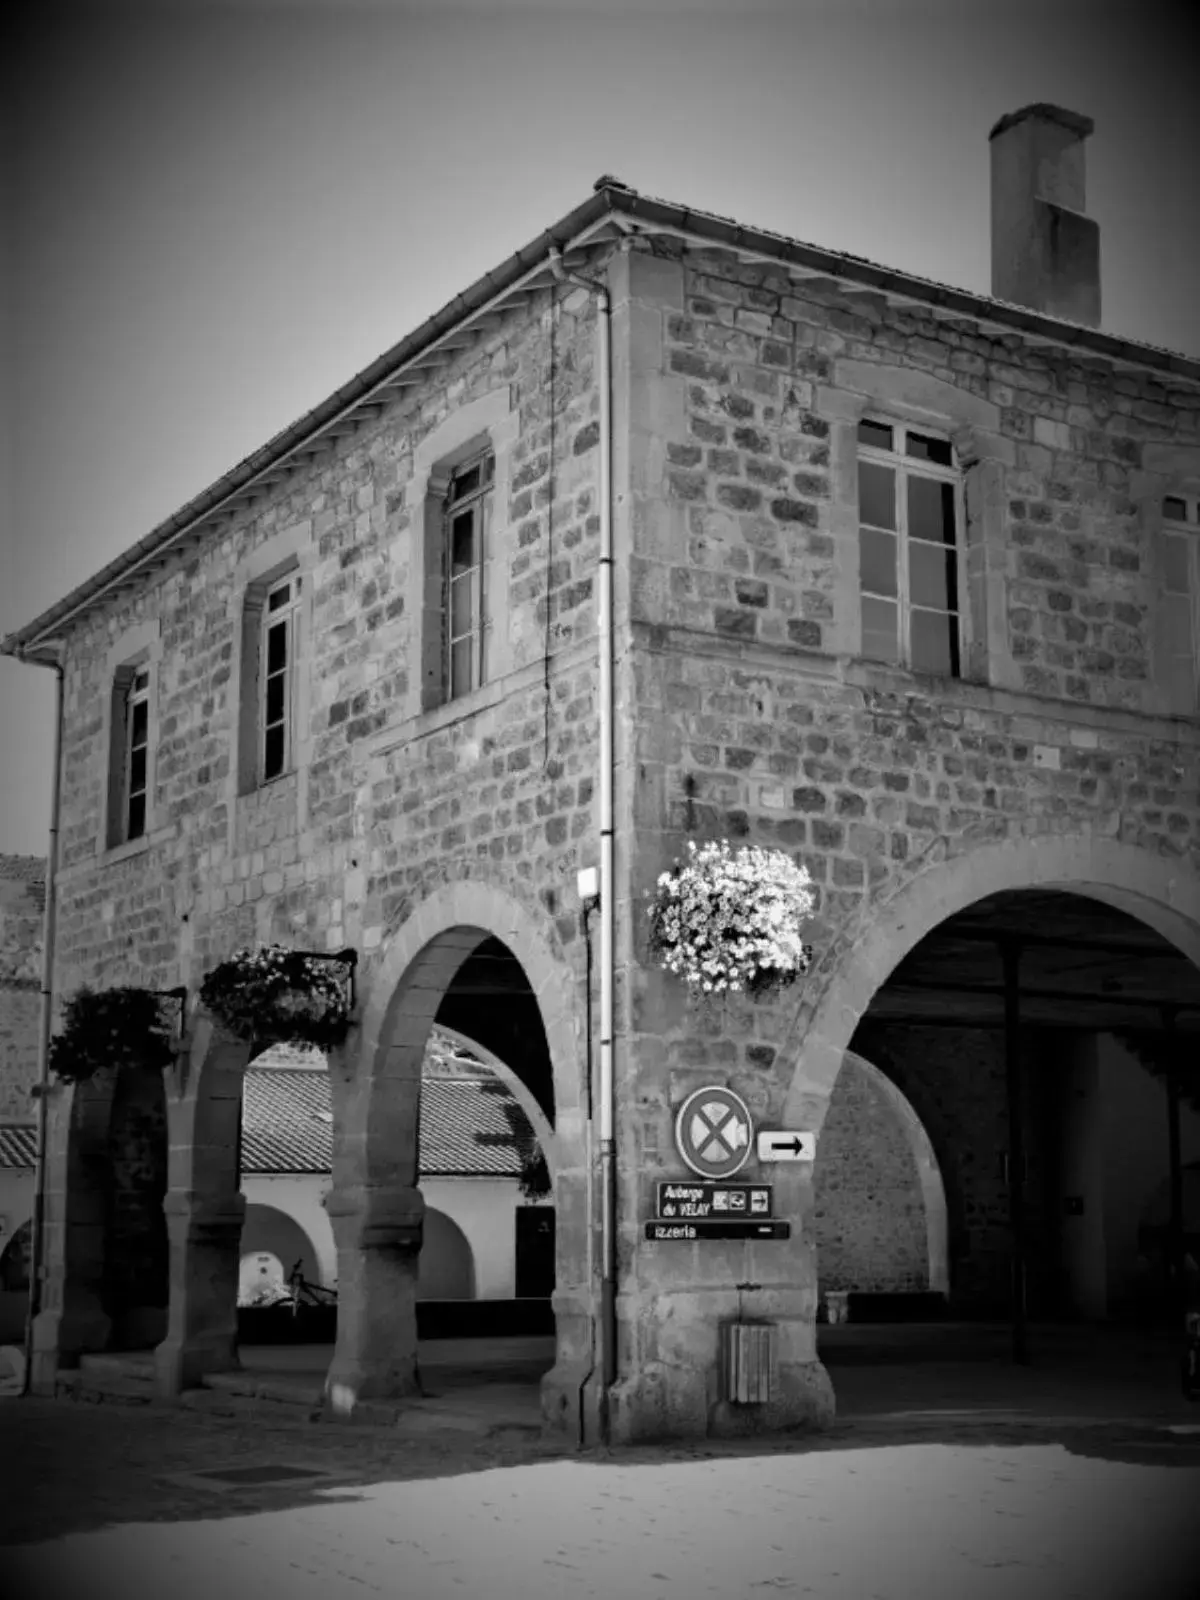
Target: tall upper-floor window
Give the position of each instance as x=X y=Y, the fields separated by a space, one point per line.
x=277 y=675
x=137 y=738
x=466 y=526
x=128 y=807
x=1181 y=600
x=908 y=559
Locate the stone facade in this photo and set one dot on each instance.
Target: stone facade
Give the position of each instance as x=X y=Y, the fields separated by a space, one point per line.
x=417 y=831
x=22 y=905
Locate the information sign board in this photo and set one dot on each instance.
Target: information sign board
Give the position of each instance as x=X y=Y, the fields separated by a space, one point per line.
x=711 y=1228
x=714 y=1199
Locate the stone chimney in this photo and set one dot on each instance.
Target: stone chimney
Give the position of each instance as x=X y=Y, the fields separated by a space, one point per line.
x=1045 y=251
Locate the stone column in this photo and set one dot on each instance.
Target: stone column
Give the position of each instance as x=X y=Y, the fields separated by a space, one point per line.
x=204 y=1208
x=71 y=1319
x=205 y=1232
x=377 y=1227
x=571 y=1390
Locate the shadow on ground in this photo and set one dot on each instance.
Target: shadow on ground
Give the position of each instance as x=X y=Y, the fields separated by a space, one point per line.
x=69 y=1467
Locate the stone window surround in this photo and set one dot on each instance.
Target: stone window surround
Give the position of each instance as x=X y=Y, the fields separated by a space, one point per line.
x=139 y=646
x=487 y=421
x=1167 y=469
x=981 y=453
x=291 y=550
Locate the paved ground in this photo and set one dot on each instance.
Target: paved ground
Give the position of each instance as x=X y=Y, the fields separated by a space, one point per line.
x=104 y=1502
x=950 y=1473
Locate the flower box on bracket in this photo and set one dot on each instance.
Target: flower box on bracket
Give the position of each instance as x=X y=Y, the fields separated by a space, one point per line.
x=277 y=995
x=730 y=920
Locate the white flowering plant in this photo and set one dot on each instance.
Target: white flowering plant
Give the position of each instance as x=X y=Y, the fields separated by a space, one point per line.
x=732 y=920
x=279 y=994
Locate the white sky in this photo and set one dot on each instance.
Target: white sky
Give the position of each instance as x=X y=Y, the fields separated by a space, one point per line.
x=222 y=212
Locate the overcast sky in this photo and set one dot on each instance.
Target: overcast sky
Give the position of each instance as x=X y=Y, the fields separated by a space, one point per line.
x=222 y=212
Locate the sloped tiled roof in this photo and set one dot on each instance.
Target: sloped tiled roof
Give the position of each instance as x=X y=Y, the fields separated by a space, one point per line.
x=464 y=1129
x=287 y=1126
x=18 y=1147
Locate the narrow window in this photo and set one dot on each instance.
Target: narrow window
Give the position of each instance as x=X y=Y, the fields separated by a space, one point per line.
x=137 y=734
x=278 y=652
x=466 y=522
x=1181 y=600
x=908 y=490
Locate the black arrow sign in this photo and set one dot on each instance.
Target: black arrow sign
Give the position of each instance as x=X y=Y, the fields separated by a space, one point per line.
x=794 y=1144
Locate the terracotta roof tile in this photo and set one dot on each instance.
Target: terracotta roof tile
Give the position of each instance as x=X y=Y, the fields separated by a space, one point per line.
x=464 y=1129
x=287 y=1126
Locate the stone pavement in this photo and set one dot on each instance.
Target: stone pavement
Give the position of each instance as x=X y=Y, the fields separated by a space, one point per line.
x=110 y=1502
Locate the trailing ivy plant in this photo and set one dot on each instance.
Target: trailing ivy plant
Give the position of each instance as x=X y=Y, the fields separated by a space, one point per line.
x=111 y=1028
x=278 y=994
x=728 y=920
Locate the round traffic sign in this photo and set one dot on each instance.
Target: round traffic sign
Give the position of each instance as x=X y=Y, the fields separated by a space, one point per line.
x=714 y=1133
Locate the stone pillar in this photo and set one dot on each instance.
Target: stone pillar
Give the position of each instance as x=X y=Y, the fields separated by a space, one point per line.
x=205 y=1232
x=571 y=1391
x=377 y=1229
x=71 y=1319
x=674 y=1298
x=204 y=1209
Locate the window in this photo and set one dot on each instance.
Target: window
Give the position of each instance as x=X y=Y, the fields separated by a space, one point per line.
x=137 y=734
x=129 y=755
x=466 y=522
x=277 y=655
x=1181 y=599
x=908 y=548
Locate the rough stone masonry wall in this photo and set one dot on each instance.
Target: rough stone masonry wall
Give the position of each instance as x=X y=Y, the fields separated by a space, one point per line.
x=389 y=801
x=868 y=1210
x=22 y=901
x=756 y=720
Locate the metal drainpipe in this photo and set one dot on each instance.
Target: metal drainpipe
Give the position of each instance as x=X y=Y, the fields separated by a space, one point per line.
x=42 y=1091
x=608 y=1176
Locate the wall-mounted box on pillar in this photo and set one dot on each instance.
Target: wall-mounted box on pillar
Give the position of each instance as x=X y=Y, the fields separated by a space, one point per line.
x=747 y=1362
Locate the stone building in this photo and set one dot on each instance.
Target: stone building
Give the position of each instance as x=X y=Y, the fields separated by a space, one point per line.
x=903 y=581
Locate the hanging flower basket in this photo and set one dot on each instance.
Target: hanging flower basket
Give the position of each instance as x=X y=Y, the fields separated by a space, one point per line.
x=111 y=1028
x=279 y=995
x=731 y=920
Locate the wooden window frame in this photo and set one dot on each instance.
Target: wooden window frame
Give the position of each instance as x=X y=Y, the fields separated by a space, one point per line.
x=476 y=501
x=1187 y=528
x=138 y=694
x=905 y=466
x=131 y=687
x=280 y=613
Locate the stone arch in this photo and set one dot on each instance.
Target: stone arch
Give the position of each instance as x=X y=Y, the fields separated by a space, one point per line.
x=538 y=1120
x=446 y=1267
x=421 y=959
x=919 y=1149
x=272 y=1230
x=204 y=1206
x=1159 y=890
x=375 y=1204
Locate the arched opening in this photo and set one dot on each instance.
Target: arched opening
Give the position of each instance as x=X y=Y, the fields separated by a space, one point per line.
x=1027 y=1032
x=271 y=1232
x=446 y=1269
x=879 y=1200
x=472 y=960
